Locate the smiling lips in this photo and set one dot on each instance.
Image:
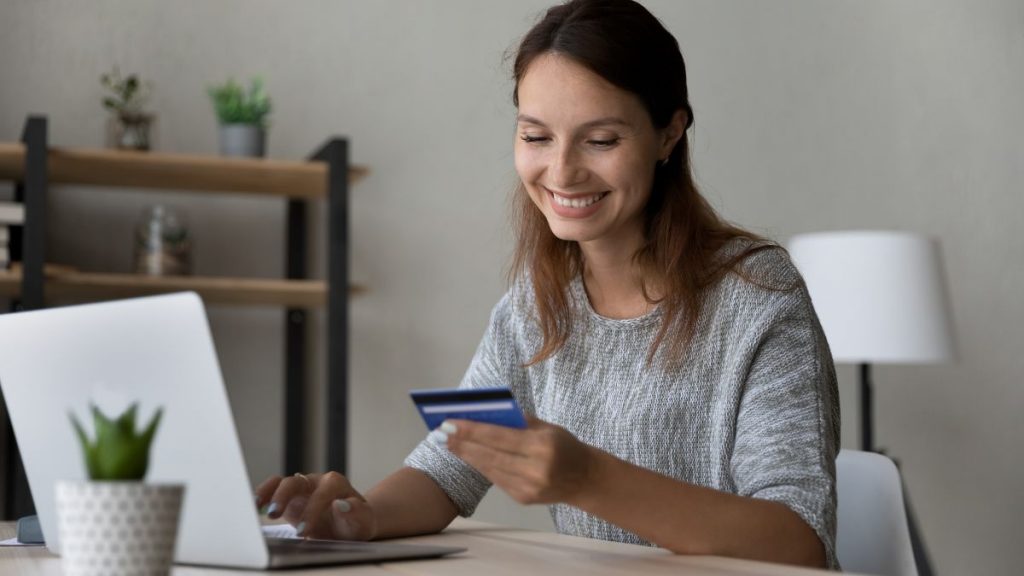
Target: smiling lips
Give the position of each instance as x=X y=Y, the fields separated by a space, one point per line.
x=577 y=205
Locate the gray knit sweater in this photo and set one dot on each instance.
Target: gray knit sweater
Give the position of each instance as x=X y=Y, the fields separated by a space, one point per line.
x=752 y=409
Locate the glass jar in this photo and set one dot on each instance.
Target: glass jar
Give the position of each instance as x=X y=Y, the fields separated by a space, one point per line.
x=130 y=131
x=162 y=244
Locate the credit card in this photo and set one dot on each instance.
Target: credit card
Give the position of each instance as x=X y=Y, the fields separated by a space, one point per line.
x=489 y=405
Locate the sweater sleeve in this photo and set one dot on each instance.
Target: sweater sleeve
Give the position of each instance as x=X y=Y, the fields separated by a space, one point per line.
x=492 y=366
x=787 y=428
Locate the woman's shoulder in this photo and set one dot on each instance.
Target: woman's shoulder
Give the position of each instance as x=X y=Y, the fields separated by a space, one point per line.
x=758 y=264
x=761 y=283
x=762 y=288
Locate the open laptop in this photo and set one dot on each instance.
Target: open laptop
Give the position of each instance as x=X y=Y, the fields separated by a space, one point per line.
x=157 y=351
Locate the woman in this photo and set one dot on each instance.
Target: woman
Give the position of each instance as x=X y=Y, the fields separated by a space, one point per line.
x=680 y=389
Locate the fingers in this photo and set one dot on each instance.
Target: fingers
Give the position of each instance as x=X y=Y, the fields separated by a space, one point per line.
x=502 y=438
x=524 y=463
x=318 y=505
x=295 y=510
x=508 y=472
x=532 y=422
x=265 y=490
x=315 y=521
x=352 y=519
x=286 y=491
x=489 y=460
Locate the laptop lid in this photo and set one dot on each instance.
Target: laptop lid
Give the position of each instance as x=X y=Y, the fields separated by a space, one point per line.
x=157 y=351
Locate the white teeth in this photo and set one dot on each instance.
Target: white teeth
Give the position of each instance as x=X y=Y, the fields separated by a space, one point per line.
x=578 y=202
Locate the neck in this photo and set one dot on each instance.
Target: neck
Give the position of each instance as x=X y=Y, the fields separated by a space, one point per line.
x=613 y=281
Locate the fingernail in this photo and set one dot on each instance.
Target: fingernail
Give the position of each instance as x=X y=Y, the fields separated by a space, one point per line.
x=272 y=508
x=264 y=509
x=438 y=437
x=300 y=529
x=448 y=428
x=342 y=505
x=256 y=500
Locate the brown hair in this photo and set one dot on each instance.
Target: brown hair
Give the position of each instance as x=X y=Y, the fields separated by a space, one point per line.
x=625 y=44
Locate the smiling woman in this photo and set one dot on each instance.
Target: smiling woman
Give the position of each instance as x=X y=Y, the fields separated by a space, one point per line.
x=678 y=386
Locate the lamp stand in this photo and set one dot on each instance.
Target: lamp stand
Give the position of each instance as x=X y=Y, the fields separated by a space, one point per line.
x=867 y=432
x=867 y=410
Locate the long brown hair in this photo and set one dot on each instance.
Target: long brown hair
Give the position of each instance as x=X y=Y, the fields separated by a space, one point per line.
x=625 y=44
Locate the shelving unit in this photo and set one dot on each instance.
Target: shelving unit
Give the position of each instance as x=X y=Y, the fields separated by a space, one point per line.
x=33 y=166
x=77 y=286
x=304 y=180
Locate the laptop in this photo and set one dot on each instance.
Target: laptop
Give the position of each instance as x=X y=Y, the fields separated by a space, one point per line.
x=157 y=351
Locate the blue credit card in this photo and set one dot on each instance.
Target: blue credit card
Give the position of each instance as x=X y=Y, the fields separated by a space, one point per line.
x=489 y=405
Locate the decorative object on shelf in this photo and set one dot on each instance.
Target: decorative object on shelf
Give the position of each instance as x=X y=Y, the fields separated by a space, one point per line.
x=129 y=125
x=881 y=297
x=162 y=243
x=5 y=251
x=11 y=214
x=115 y=524
x=243 y=117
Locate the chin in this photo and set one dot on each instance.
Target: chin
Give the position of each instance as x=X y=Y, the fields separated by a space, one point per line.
x=571 y=232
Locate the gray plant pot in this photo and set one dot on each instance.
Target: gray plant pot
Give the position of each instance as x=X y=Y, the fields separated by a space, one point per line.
x=117 y=528
x=243 y=140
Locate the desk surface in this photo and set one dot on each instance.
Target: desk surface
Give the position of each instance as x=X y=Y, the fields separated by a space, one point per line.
x=492 y=549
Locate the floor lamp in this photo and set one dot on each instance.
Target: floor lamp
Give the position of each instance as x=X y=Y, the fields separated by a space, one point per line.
x=882 y=299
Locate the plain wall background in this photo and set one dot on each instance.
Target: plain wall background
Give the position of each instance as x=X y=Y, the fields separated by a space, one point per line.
x=809 y=116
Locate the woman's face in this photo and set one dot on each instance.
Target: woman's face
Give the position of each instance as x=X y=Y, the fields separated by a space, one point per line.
x=586 y=151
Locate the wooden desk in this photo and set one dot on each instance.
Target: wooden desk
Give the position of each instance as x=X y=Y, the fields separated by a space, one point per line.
x=492 y=550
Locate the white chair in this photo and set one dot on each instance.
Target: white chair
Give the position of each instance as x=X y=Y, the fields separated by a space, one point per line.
x=872 y=534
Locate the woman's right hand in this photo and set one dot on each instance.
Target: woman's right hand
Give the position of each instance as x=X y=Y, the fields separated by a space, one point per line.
x=322 y=506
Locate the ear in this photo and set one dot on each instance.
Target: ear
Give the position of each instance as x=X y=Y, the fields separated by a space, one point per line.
x=671 y=134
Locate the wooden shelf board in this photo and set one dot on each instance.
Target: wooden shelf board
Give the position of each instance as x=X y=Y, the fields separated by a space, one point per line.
x=98 y=167
x=218 y=290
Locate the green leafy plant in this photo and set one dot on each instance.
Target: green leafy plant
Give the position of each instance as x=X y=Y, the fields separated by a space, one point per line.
x=127 y=94
x=236 y=105
x=118 y=452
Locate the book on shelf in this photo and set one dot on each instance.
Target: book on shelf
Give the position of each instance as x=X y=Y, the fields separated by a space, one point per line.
x=12 y=213
x=5 y=234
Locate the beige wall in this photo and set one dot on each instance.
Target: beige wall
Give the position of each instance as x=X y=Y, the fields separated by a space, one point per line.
x=810 y=116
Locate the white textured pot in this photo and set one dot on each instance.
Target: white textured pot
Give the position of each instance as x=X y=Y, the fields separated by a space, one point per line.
x=118 y=528
x=242 y=140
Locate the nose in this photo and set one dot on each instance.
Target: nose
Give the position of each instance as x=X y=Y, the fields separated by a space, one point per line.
x=567 y=169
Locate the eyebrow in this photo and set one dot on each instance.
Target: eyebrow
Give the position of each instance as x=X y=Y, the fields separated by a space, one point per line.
x=608 y=120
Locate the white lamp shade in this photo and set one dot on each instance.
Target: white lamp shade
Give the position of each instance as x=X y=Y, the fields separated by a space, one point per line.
x=881 y=296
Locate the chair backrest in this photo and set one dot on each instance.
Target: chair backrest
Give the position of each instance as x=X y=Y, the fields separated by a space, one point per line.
x=872 y=533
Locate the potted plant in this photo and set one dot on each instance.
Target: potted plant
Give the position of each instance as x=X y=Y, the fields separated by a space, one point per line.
x=243 y=117
x=129 y=124
x=115 y=524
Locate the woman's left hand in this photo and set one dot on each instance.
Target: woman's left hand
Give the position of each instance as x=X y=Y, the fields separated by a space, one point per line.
x=542 y=464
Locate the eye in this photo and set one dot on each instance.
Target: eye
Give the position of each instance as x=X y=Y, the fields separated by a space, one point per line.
x=603 y=143
x=532 y=139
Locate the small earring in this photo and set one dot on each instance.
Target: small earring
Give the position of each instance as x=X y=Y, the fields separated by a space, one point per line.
x=664 y=162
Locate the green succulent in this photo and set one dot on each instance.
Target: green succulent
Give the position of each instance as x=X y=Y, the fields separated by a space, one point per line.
x=118 y=453
x=236 y=105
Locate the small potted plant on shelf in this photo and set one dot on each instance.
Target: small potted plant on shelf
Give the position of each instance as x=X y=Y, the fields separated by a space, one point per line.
x=129 y=124
x=243 y=117
x=116 y=524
